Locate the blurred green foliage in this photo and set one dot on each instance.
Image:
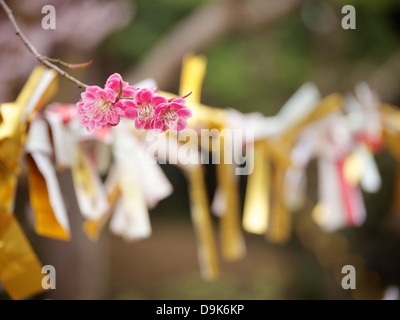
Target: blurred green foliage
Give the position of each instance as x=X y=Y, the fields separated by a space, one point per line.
x=260 y=70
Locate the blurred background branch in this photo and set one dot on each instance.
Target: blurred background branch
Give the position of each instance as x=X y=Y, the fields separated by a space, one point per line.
x=203 y=28
x=385 y=79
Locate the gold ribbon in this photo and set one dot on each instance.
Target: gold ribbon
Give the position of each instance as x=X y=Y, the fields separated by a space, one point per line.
x=45 y=219
x=191 y=79
x=232 y=241
x=280 y=223
x=328 y=105
x=20 y=269
x=257 y=198
x=281 y=218
x=38 y=90
x=202 y=224
x=7 y=187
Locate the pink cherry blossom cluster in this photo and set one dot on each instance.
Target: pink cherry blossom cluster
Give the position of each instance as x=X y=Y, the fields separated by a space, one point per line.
x=99 y=108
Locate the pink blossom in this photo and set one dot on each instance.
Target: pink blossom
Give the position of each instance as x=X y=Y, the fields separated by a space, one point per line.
x=100 y=108
x=141 y=109
x=170 y=114
x=96 y=108
x=145 y=108
x=126 y=109
x=120 y=87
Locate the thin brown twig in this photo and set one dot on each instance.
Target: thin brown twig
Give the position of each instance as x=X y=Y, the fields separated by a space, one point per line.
x=42 y=59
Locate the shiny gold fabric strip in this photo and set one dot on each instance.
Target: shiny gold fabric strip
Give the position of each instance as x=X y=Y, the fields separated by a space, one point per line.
x=192 y=76
x=45 y=221
x=202 y=223
x=11 y=135
x=257 y=199
x=20 y=269
x=8 y=184
x=232 y=241
x=281 y=220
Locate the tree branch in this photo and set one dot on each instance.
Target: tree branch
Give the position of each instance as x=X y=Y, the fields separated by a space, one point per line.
x=42 y=59
x=203 y=28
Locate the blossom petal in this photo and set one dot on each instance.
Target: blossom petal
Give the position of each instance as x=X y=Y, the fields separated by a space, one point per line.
x=157 y=100
x=181 y=125
x=139 y=124
x=130 y=113
x=115 y=83
x=185 y=112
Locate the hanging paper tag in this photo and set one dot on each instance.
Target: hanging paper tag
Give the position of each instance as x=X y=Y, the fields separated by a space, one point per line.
x=89 y=190
x=130 y=219
x=93 y=228
x=58 y=115
x=352 y=199
x=154 y=183
x=51 y=219
x=329 y=212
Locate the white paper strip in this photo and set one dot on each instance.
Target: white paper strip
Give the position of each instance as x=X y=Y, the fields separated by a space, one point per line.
x=129 y=149
x=39 y=146
x=130 y=219
x=332 y=214
x=218 y=206
x=63 y=140
x=90 y=192
x=370 y=178
x=47 y=77
x=301 y=104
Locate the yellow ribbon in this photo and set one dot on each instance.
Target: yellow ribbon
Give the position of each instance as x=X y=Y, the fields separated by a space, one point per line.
x=257 y=199
x=281 y=218
x=280 y=222
x=191 y=79
x=45 y=219
x=232 y=241
x=20 y=269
